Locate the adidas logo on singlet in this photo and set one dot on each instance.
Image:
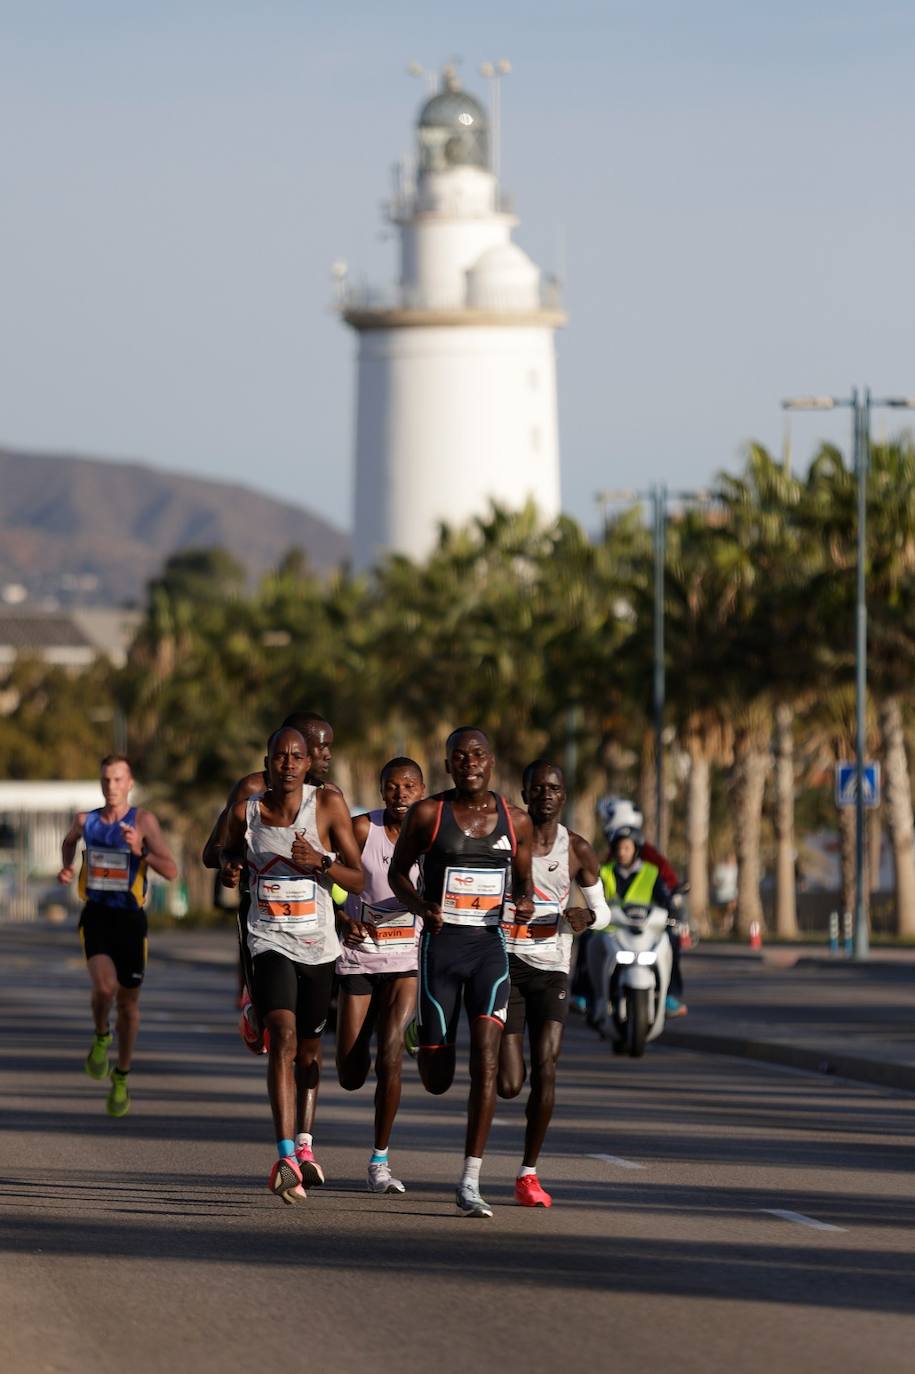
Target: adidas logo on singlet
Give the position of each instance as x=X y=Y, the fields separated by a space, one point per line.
x=503 y=843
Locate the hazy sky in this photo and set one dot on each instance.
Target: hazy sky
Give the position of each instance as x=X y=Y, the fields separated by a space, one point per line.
x=728 y=189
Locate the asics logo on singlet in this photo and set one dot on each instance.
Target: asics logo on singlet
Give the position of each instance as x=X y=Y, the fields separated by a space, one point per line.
x=503 y=843
x=553 y=867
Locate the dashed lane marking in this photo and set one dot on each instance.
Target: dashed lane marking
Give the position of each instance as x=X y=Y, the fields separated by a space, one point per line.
x=618 y=1161
x=801 y=1220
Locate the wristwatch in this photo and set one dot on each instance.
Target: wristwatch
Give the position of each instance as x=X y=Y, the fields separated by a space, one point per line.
x=328 y=860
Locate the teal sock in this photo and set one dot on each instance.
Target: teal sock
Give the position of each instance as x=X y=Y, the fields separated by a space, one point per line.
x=285 y=1148
x=379 y=1156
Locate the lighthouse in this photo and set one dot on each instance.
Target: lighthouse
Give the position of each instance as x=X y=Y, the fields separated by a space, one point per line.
x=456 y=391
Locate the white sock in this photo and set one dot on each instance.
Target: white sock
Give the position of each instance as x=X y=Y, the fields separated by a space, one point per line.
x=304 y=1138
x=472 y=1165
x=527 y=1169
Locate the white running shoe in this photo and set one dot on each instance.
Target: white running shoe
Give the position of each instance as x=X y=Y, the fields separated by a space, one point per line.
x=381 y=1180
x=469 y=1203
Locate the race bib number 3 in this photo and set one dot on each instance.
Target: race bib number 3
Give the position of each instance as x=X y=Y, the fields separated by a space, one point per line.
x=289 y=902
x=389 y=930
x=473 y=896
x=109 y=870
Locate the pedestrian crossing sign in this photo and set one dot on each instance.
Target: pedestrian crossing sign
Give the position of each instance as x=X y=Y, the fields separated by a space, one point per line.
x=847 y=783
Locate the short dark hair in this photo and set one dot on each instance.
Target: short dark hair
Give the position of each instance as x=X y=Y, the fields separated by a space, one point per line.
x=400 y=762
x=304 y=720
x=465 y=730
x=115 y=758
x=540 y=763
x=281 y=731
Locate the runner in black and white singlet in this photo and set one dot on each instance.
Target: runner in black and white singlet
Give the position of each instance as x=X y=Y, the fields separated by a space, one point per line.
x=376 y=970
x=472 y=847
x=539 y=955
x=285 y=838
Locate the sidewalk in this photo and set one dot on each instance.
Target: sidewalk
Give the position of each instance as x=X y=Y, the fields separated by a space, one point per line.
x=803 y=1009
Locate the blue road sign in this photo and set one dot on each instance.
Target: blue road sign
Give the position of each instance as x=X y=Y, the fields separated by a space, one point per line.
x=847 y=784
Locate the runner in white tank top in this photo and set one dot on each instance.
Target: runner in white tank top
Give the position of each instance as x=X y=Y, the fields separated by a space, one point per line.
x=377 y=966
x=297 y=841
x=538 y=960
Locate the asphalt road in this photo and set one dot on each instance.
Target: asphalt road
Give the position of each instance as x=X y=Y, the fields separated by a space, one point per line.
x=710 y=1214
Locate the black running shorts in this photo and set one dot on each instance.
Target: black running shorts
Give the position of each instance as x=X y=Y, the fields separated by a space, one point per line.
x=364 y=984
x=121 y=934
x=281 y=984
x=537 y=995
x=459 y=961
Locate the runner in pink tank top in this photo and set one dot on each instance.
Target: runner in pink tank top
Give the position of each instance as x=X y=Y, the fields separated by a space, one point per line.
x=376 y=967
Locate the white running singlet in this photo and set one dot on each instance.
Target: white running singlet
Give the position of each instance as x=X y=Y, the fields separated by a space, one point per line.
x=546 y=940
x=291 y=912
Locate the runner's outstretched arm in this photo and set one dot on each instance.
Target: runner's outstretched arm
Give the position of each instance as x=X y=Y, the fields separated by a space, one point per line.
x=333 y=820
x=414 y=839
x=522 y=877
x=68 y=848
x=585 y=870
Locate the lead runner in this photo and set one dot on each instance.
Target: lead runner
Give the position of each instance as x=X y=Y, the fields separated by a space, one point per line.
x=470 y=844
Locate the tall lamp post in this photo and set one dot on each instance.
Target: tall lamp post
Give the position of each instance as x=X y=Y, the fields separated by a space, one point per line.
x=861 y=404
x=658 y=496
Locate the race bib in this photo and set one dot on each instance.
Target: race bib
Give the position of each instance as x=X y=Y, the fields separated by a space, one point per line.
x=473 y=896
x=388 y=930
x=541 y=932
x=288 y=902
x=109 y=870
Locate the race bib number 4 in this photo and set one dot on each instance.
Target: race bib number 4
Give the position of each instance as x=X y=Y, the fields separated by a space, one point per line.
x=473 y=896
x=109 y=870
x=288 y=902
x=389 y=930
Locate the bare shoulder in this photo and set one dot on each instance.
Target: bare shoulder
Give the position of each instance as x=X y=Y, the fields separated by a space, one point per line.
x=251 y=785
x=361 y=827
x=520 y=820
x=331 y=787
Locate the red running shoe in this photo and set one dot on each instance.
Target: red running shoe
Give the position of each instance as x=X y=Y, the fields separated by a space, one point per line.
x=528 y=1192
x=312 y=1173
x=286 y=1180
x=254 y=1039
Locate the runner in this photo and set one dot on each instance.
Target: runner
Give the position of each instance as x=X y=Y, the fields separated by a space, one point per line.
x=319 y=737
x=285 y=837
x=121 y=843
x=539 y=956
x=470 y=844
x=377 y=966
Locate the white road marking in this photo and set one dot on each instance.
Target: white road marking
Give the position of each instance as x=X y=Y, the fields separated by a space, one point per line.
x=801 y=1220
x=620 y=1163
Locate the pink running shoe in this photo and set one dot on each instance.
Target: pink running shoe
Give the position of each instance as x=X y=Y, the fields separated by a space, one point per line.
x=312 y=1173
x=528 y=1192
x=248 y=1029
x=286 y=1180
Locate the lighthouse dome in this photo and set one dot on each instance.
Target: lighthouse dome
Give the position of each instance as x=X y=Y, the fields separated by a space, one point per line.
x=453 y=131
x=503 y=278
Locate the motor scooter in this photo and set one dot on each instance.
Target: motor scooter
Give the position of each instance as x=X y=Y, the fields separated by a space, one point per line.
x=641 y=961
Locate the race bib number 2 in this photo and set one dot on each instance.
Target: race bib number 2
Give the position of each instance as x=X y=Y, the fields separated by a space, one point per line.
x=288 y=901
x=473 y=896
x=109 y=870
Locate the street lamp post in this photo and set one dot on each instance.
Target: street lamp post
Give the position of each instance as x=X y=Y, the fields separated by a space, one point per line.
x=658 y=497
x=861 y=404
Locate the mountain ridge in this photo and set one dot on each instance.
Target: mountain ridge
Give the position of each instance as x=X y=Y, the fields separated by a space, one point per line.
x=76 y=528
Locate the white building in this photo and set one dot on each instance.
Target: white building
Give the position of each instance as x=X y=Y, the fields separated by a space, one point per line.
x=456 y=396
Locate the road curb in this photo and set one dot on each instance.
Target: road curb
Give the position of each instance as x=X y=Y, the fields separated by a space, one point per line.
x=881 y=1073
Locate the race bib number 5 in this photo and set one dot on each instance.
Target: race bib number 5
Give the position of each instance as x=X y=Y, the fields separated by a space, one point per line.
x=540 y=932
x=288 y=902
x=473 y=896
x=109 y=870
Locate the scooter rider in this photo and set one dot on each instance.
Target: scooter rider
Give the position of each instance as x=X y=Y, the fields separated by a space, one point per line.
x=627 y=878
x=614 y=812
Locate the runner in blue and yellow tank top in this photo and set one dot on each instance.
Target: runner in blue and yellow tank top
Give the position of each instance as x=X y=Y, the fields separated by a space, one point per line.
x=121 y=843
x=473 y=847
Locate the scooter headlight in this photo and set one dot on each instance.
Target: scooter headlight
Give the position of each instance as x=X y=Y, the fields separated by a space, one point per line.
x=648 y=956
x=625 y=956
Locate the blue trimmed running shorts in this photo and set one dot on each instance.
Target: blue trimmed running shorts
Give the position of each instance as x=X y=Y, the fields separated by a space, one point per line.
x=459 y=962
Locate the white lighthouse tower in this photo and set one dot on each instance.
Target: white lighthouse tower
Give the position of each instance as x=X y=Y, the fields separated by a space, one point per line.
x=456 y=397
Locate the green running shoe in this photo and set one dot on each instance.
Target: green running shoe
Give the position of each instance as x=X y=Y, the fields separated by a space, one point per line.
x=97 y=1065
x=411 y=1039
x=118 y=1102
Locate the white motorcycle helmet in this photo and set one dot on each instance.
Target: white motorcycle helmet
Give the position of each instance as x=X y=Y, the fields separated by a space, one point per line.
x=616 y=812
